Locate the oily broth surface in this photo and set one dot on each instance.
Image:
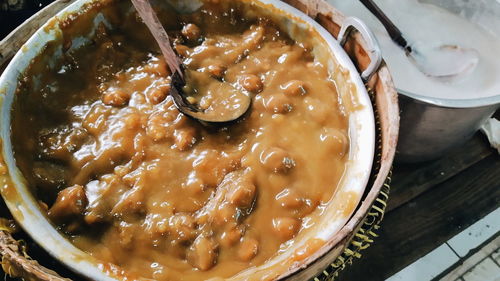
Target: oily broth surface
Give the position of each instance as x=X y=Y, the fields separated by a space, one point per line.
x=139 y=185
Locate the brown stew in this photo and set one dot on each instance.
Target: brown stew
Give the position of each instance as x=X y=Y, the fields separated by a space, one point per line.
x=140 y=186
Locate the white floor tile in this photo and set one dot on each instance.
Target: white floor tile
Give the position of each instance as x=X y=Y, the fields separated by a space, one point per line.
x=476 y=234
x=428 y=266
x=467 y=264
x=487 y=270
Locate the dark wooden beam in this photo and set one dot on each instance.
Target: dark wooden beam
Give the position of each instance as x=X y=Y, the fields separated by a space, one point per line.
x=427 y=221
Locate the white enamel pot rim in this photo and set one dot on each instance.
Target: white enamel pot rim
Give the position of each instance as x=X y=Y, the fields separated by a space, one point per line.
x=25 y=208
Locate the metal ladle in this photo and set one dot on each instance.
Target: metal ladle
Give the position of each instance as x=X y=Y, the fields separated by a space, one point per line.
x=445 y=62
x=234 y=108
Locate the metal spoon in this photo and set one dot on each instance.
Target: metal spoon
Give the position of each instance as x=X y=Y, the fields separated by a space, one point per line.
x=235 y=102
x=445 y=63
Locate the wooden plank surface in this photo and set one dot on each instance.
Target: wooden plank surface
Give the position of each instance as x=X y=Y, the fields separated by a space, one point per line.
x=417 y=225
x=411 y=180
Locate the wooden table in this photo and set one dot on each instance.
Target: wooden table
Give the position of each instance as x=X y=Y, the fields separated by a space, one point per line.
x=429 y=203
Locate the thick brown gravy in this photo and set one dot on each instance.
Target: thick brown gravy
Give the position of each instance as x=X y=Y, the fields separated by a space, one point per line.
x=139 y=185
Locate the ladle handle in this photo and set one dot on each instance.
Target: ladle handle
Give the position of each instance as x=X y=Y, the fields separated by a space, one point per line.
x=154 y=25
x=350 y=24
x=391 y=28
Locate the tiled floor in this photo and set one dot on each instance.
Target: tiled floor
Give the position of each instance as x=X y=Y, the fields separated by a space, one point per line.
x=486 y=270
x=482 y=265
x=472 y=255
x=429 y=266
x=476 y=234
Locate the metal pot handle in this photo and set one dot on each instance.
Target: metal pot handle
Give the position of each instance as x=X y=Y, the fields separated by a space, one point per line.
x=352 y=23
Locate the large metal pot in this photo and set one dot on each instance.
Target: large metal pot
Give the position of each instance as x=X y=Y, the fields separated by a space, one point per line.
x=336 y=232
x=430 y=126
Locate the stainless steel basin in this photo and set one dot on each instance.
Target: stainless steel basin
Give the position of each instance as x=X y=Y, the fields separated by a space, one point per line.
x=431 y=127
